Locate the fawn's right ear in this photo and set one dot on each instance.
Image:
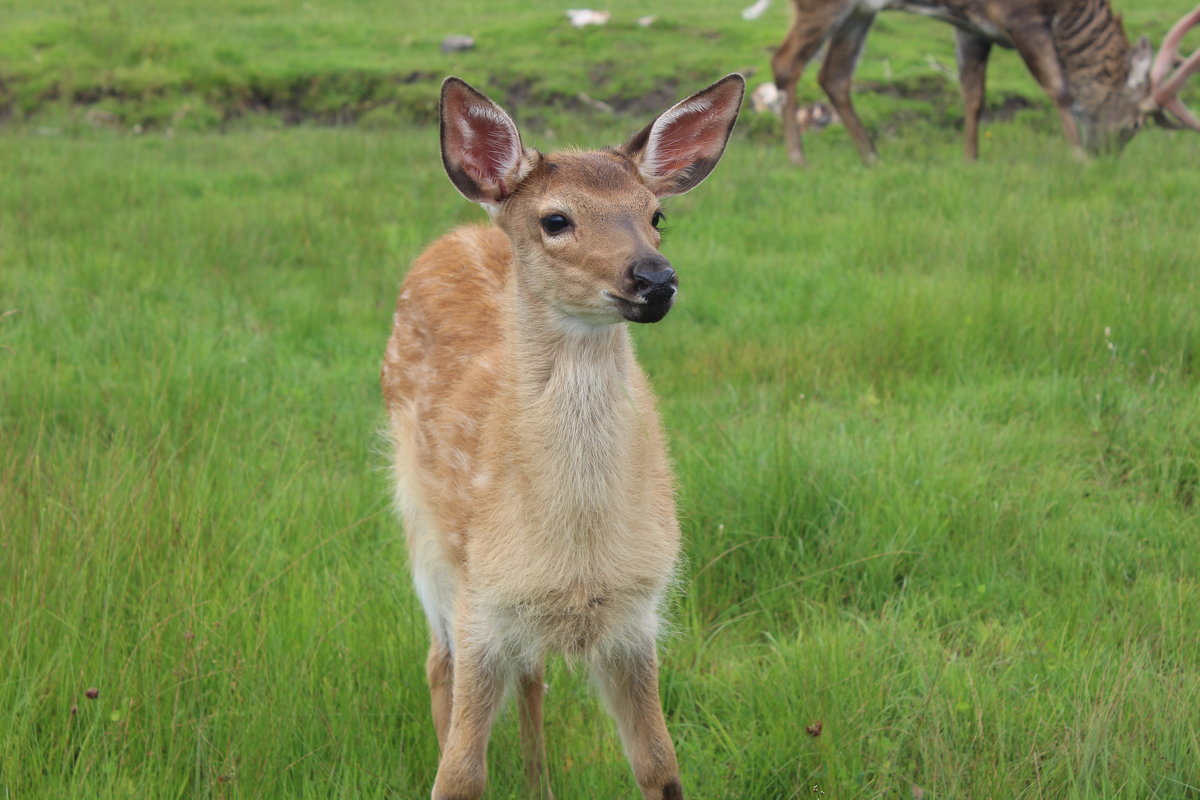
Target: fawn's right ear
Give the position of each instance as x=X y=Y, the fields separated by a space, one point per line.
x=481 y=148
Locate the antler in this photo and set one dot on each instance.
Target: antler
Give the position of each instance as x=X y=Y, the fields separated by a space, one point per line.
x=1165 y=90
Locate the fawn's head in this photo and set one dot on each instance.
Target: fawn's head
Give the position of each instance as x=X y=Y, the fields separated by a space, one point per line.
x=584 y=226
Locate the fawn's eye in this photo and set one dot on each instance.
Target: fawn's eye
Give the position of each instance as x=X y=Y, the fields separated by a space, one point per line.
x=657 y=220
x=555 y=223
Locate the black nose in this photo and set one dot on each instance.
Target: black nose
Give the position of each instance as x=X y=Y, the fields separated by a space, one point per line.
x=652 y=272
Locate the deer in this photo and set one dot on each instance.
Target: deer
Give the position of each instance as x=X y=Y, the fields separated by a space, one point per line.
x=531 y=470
x=1103 y=88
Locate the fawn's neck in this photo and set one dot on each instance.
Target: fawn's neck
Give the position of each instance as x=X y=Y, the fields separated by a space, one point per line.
x=574 y=417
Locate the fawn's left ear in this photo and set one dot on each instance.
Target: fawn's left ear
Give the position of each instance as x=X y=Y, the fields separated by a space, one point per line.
x=678 y=150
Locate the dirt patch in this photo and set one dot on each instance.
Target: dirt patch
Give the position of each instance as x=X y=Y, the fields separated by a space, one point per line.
x=1007 y=108
x=525 y=94
x=340 y=99
x=927 y=88
x=941 y=93
x=654 y=101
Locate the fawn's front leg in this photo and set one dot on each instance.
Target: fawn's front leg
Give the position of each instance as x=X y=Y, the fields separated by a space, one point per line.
x=480 y=680
x=628 y=682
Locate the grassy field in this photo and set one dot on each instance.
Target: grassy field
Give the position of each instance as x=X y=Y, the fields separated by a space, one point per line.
x=190 y=65
x=936 y=427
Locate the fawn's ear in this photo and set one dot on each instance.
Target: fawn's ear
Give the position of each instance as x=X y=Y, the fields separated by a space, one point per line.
x=678 y=150
x=481 y=148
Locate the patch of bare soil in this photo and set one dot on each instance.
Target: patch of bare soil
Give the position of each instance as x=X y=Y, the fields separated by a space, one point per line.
x=337 y=100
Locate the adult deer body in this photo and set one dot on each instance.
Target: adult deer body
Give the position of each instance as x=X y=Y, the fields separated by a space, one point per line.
x=530 y=467
x=1102 y=87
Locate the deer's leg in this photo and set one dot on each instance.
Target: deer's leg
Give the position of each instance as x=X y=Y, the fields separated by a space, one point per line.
x=439 y=670
x=972 y=53
x=480 y=680
x=836 y=74
x=809 y=29
x=628 y=683
x=531 y=689
x=1034 y=43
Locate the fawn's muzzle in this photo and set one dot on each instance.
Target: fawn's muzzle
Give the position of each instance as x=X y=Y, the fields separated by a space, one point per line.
x=654 y=283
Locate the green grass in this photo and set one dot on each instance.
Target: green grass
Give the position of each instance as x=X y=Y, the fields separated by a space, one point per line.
x=188 y=65
x=936 y=427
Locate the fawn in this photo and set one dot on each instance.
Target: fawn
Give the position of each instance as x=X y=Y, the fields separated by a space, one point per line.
x=530 y=468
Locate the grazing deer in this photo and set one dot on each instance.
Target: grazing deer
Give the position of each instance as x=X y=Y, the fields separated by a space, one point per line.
x=530 y=467
x=1103 y=88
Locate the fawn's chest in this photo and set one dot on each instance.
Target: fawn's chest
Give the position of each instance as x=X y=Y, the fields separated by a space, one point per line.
x=574 y=537
x=584 y=563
